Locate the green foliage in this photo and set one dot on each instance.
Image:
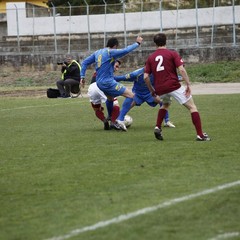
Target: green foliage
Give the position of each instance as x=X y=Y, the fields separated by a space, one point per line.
x=227 y=71
x=23 y=81
x=80 y=3
x=61 y=171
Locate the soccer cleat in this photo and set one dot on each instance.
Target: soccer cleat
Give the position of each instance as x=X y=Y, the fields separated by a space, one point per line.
x=106 y=124
x=204 y=138
x=122 y=125
x=115 y=126
x=169 y=124
x=158 y=133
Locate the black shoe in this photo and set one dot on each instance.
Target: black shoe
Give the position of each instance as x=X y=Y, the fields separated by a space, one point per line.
x=66 y=96
x=204 y=138
x=106 y=124
x=158 y=133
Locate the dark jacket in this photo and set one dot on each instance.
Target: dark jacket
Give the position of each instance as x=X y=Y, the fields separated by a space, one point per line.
x=71 y=71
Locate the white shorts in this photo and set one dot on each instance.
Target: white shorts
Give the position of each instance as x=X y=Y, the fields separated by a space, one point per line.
x=178 y=94
x=97 y=96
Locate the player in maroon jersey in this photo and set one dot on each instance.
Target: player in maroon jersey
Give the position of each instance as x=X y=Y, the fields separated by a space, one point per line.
x=165 y=64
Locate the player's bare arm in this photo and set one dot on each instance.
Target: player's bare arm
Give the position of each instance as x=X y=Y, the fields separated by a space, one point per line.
x=149 y=84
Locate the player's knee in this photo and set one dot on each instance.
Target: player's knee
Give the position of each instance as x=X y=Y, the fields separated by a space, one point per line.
x=97 y=107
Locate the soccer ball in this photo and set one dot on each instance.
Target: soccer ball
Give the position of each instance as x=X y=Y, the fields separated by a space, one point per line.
x=128 y=121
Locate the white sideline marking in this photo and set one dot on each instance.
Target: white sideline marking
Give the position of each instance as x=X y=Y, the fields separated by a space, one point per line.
x=226 y=236
x=37 y=106
x=142 y=211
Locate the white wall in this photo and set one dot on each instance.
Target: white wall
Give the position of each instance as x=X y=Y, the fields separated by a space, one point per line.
x=115 y=22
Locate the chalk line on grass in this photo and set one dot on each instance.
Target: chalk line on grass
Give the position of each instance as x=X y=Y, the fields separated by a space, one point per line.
x=226 y=236
x=142 y=211
x=38 y=106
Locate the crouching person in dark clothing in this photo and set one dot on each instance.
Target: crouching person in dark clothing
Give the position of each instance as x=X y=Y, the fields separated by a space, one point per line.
x=70 y=77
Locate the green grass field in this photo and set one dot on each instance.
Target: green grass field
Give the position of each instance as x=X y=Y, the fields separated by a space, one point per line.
x=61 y=172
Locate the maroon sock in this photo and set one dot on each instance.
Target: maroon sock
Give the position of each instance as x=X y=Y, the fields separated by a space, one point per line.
x=99 y=111
x=160 y=117
x=115 y=113
x=100 y=115
x=196 y=120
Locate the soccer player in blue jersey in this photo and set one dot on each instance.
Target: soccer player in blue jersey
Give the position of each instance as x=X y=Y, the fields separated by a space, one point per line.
x=104 y=60
x=97 y=98
x=141 y=95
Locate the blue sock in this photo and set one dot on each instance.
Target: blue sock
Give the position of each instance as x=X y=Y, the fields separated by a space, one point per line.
x=166 y=118
x=126 y=106
x=109 y=105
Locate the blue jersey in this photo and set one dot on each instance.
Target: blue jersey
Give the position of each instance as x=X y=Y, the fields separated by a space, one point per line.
x=142 y=93
x=104 y=60
x=137 y=77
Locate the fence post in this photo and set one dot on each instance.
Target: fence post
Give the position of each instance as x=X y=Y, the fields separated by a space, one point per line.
x=176 y=35
x=124 y=16
x=69 y=31
x=33 y=13
x=234 y=26
x=105 y=22
x=141 y=17
x=160 y=11
x=54 y=27
x=213 y=19
x=88 y=23
x=18 y=39
x=196 y=7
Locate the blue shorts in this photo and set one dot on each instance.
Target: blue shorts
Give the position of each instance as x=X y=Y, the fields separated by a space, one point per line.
x=139 y=99
x=113 y=88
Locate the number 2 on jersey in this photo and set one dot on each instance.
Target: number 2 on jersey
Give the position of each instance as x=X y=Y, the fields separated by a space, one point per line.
x=159 y=59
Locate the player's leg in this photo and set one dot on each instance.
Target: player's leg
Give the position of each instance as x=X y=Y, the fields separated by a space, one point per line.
x=163 y=110
x=126 y=106
x=99 y=112
x=96 y=98
x=166 y=100
x=109 y=105
x=196 y=120
x=167 y=122
x=188 y=102
x=128 y=93
x=115 y=89
x=115 y=111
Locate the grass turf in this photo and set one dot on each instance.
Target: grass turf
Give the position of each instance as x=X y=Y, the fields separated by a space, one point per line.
x=61 y=171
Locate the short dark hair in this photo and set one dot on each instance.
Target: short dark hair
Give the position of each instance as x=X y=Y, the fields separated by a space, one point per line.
x=112 y=42
x=160 y=39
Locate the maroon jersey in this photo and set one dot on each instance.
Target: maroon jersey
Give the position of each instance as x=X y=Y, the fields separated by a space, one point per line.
x=163 y=64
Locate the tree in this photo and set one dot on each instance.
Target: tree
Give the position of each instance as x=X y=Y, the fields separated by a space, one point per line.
x=61 y=3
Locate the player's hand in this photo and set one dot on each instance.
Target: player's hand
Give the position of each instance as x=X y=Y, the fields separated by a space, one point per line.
x=188 y=91
x=139 y=39
x=157 y=99
x=153 y=93
x=82 y=82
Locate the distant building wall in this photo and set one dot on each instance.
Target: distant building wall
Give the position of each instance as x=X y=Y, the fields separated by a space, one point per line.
x=3 y=4
x=18 y=23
